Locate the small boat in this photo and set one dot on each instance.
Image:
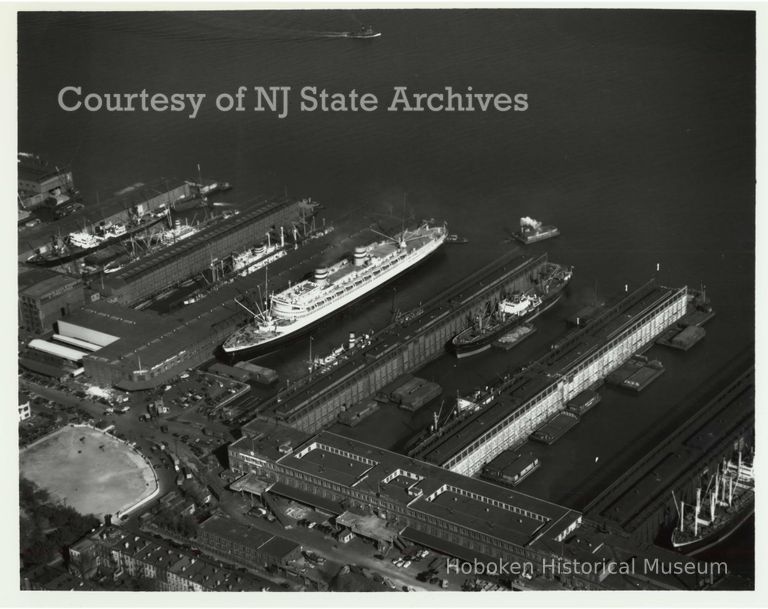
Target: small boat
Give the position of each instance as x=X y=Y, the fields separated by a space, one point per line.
x=456 y=239
x=365 y=31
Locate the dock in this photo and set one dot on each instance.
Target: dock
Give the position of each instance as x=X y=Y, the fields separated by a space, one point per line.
x=525 y=397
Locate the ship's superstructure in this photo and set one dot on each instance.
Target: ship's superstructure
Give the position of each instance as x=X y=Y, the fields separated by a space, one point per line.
x=336 y=286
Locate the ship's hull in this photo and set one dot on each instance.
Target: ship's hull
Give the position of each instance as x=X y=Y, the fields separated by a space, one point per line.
x=712 y=538
x=545 y=233
x=311 y=321
x=362 y=36
x=77 y=253
x=466 y=348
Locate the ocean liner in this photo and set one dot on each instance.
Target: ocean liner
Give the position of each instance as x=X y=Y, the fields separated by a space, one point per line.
x=308 y=302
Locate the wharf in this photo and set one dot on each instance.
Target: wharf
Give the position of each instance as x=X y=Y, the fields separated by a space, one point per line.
x=641 y=500
x=316 y=400
x=583 y=357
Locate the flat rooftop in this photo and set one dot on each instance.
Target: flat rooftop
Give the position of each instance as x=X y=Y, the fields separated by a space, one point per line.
x=547 y=370
x=38 y=282
x=95 y=212
x=434 y=491
x=215 y=232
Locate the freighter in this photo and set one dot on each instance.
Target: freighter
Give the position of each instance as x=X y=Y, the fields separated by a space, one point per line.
x=729 y=500
x=513 y=311
x=306 y=303
x=532 y=231
x=78 y=244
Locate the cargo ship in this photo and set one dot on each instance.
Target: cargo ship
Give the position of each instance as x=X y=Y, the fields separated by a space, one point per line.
x=532 y=231
x=512 y=312
x=78 y=244
x=729 y=499
x=308 y=302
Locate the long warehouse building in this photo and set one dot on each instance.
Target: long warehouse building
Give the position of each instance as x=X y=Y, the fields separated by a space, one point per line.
x=180 y=261
x=543 y=389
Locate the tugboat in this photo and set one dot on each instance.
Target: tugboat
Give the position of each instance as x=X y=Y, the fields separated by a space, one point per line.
x=532 y=231
x=511 y=312
x=365 y=31
x=453 y=238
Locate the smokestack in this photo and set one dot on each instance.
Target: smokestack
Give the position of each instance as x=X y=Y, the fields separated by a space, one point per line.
x=352 y=340
x=282 y=238
x=526 y=222
x=321 y=275
x=360 y=256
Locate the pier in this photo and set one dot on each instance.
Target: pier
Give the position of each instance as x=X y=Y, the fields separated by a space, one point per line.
x=640 y=502
x=403 y=346
x=528 y=397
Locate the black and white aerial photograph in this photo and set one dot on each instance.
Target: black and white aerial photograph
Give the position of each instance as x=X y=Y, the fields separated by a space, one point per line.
x=384 y=300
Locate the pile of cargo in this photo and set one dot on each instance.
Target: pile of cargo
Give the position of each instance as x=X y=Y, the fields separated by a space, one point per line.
x=415 y=392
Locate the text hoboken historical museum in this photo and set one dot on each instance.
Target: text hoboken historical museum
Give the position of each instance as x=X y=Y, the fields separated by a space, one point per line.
x=278 y=101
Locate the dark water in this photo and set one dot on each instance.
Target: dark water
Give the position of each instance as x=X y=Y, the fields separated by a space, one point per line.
x=638 y=143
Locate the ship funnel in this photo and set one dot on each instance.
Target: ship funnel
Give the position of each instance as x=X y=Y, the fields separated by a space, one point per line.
x=360 y=255
x=530 y=223
x=352 y=340
x=282 y=238
x=177 y=224
x=321 y=274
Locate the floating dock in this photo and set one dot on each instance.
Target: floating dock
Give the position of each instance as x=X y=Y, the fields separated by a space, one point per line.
x=414 y=394
x=584 y=402
x=682 y=338
x=514 y=338
x=511 y=467
x=260 y=374
x=355 y=414
x=636 y=374
x=555 y=428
